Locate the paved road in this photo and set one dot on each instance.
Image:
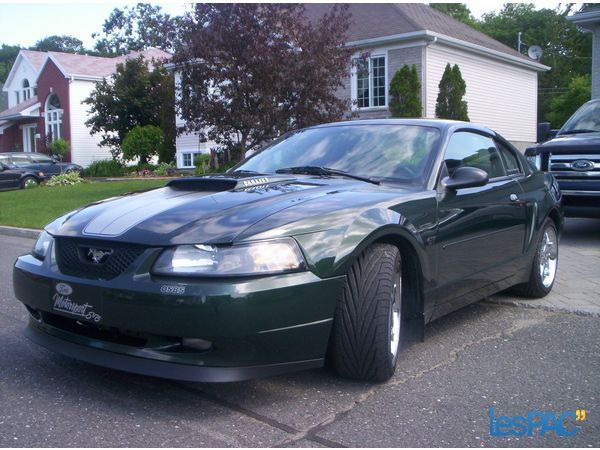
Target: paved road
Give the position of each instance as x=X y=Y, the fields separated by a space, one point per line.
x=511 y=358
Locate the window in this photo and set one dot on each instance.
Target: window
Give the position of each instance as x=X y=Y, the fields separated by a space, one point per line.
x=20 y=160
x=473 y=150
x=18 y=95
x=511 y=163
x=371 y=82
x=53 y=117
x=26 y=90
x=41 y=159
x=186 y=159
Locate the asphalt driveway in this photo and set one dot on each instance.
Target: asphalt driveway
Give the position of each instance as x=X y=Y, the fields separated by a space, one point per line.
x=542 y=357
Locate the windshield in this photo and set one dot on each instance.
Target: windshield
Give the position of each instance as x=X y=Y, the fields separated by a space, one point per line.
x=374 y=151
x=585 y=119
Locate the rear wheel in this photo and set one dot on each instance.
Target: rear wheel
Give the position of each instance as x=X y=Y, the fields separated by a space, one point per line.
x=545 y=265
x=366 y=330
x=28 y=182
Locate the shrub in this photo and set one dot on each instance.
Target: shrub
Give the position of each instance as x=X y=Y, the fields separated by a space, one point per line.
x=564 y=105
x=142 y=142
x=105 y=168
x=405 y=93
x=59 y=147
x=164 y=169
x=201 y=161
x=452 y=88
x=65 y=179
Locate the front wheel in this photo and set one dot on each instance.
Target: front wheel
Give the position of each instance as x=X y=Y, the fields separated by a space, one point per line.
x=29 y=182
x=545 y=265
x=366 y=329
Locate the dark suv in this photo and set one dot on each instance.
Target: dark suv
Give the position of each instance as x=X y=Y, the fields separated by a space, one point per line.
x=38 y=162
x=573 y=157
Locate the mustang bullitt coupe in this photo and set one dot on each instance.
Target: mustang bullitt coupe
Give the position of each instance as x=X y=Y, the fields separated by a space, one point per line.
x=336 y=243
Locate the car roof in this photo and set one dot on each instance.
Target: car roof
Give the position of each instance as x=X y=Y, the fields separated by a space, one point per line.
x=442 y=124
x=23 y=153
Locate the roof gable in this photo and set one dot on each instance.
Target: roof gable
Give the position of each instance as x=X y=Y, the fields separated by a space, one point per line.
x=371 y=21
x=32 y=59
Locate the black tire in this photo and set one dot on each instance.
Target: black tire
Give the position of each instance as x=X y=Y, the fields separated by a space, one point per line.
x=535 y=287
x=28 y=182
x=362 y=328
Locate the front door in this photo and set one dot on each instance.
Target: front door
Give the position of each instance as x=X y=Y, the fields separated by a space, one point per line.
x=481 y=230
x=29 y=132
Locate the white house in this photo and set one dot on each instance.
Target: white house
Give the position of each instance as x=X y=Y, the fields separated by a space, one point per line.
x=45 y=94
x=501 y=83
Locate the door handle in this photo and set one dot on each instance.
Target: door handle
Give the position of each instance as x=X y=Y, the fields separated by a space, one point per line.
x=513 y=197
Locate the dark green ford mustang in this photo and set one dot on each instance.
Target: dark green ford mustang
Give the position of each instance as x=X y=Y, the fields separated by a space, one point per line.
x=338 y=242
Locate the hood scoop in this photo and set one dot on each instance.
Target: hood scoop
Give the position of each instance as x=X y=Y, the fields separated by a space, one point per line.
x=225 y=182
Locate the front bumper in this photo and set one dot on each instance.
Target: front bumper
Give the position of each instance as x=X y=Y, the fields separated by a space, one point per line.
x=140 y=323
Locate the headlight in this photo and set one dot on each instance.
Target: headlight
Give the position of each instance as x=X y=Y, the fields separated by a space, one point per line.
x=41 y=246
x=257 y=258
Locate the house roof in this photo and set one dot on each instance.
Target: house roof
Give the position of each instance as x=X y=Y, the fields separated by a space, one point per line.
x=97 y=67
x=588 y=18
x=20 y=110
x=371 y=21
x=35 y=58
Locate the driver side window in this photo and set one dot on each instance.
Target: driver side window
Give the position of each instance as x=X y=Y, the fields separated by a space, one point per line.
x=473 y=150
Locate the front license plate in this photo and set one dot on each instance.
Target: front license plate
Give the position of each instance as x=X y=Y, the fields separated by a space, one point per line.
x=78 y=302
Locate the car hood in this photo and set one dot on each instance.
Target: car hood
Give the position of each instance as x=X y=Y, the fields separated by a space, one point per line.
x=572 y=144
x=210 y=209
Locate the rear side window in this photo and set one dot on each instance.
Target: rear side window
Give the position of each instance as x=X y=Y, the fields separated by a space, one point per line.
x=21 y=159
x=467 y=149
x=511 y=163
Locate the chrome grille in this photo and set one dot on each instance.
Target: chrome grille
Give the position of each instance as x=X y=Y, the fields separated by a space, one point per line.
x=575 y=167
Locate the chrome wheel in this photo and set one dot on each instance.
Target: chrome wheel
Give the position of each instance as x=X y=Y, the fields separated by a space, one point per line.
x=548 y=257
x=29 y=182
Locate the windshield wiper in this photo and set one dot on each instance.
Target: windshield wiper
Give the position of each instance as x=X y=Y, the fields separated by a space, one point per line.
x=578 y=131
x=317 y=170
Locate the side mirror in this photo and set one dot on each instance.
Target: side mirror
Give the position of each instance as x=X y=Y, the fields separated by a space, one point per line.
x=466 y=177
x=1 y=167
x=532 y=152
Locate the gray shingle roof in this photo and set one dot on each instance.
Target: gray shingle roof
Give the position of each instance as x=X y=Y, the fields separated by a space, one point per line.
x=373 y=20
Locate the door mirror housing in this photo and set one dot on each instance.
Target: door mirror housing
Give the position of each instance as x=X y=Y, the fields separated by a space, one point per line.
x=466 y=177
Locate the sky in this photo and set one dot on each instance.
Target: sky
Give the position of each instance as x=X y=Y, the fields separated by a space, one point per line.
x=25 y=23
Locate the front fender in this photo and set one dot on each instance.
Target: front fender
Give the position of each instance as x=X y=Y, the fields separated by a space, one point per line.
x=330 y=252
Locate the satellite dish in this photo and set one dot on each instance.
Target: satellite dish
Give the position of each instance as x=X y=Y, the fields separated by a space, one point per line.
x=535 y=52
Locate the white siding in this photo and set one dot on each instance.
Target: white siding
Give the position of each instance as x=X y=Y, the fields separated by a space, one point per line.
x=500 y=96
x=85 y=148
x=22 y=71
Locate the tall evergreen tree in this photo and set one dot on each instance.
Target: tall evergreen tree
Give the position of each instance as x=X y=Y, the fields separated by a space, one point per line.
x=452 y=88
x=405 y=93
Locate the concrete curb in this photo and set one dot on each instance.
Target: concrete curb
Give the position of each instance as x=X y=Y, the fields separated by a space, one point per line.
x=532 y=304
x=19 y=232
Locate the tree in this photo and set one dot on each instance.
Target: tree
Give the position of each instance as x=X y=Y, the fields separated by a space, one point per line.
x=458 y=11
x=567 y=50
x=452 y=88
x=133 y=95
x=135 y=28
x=8 y=54
x=405 y=93
x=564 y=105
x=250 y=72
x=142 y=142
x=65 y=44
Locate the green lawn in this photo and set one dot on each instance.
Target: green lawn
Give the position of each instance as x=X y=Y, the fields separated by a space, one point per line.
x=34 y=208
